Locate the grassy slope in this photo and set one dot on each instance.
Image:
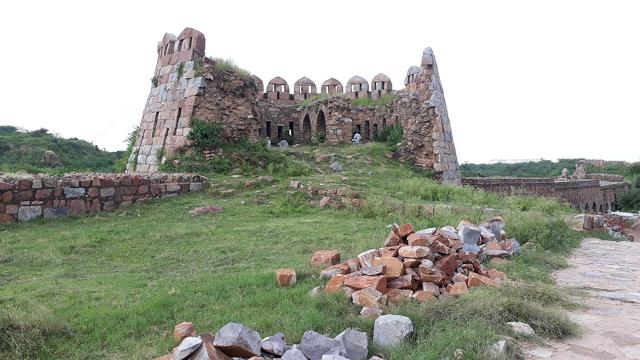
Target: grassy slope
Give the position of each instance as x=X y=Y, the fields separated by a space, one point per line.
x=113 y=286
x=22 y=151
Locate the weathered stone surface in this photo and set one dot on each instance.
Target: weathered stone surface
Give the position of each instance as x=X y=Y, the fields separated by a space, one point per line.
x=274 y=344
x=423 y=296
x=335 y=167
x=458 y=288
x=396 y=296
x=355 y=344
x=186 y=347
x=334 y=357
x=27 y=213
x=183 y=330
x=371 y=312
x=286 y=277
x=415 y=252
x=366 y=258
x=207 y=351
x=419 y=239
x=368 y=297
x=469 y=233
x=392 y=239
x=496 y=274
x=314 y=345
x=393 y=267
x=391 y=330
x=447 y=264
x=497 y=351
x=404 y=230
x=293 y=354
x=325 y=258
x=335 y=284
x=521 y=328
x=479 y=280
x=238 y=340
x=403 y=282
x=373 y=270
x=431 y=288
x=360 y=282
x=338 y=269
x=70 y=192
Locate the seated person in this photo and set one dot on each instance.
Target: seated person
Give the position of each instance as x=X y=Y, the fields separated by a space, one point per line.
x=357 y=139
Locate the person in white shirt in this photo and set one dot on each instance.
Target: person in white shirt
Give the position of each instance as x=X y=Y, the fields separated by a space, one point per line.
x=356 y=138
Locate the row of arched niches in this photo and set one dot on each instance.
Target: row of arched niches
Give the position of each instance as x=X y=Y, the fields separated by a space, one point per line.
x=357 y=87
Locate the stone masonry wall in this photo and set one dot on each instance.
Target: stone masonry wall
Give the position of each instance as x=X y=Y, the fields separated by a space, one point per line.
x=585 y=195
x=52 y=197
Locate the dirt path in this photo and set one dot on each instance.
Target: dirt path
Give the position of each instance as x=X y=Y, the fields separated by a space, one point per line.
x=610 y=324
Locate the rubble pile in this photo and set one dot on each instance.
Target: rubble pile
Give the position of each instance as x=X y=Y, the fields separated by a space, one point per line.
x=422 y=265
x=237 y=341
x=620 y=225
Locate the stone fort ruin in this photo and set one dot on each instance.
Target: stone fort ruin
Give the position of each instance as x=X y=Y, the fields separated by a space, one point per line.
x=187 y=84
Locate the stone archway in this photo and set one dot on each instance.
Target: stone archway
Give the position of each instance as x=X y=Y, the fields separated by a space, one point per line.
x=594 y=208
x=321 y=125
x=306 y=129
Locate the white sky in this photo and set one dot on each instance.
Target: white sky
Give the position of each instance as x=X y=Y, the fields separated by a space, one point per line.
x=522 y=79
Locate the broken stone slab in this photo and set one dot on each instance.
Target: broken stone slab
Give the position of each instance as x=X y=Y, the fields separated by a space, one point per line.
x=368 y=297
x=286 y=277
x=373 y=270
x=238 y=340
x=208 y=352
x=28 y=213
x=370 y=312
x=187 y=347
x=325 y=258
x=183 y=330
x=469 y=233
x=521 y=328
x=274 y=344
x=355 y=344
x=391 y=330
x=293 y=354
x=415 y=252
x=366 y=258
x=360 y=282
x=314 y=345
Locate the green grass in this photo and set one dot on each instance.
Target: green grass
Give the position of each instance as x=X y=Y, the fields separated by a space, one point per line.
x=114 y=285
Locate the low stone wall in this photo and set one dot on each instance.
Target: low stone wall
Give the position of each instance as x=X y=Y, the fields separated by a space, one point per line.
x=24 y=198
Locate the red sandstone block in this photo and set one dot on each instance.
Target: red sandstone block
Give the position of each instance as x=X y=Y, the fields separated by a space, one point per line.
x=85 y=183
x=77 y=207
x=7 y=219
x=95 y=206
x=43 y=194
x=143 y=189
x=24 y=184
x=24 y=196
x=7 y=196
x=6 y=186
x=93 y=192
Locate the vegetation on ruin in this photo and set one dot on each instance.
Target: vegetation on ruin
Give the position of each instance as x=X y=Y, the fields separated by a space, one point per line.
x=121 y=164
x=542 y=168
x=179 y=71
x=381 y=101
x=154 y=81
x=22 y=151
x=391 y=135
x=115 y=284
x=228 y=65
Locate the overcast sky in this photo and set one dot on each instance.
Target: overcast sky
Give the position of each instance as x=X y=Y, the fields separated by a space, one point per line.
x=522 y=80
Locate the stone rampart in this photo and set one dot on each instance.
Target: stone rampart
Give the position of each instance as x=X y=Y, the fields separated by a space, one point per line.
x=24 y=198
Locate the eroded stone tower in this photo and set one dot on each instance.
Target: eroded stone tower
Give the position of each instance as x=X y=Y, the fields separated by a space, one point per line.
x=186 y=84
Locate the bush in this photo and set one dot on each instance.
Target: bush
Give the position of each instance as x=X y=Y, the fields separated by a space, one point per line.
x=121 y=164
x=318 y=138
x=205 y=135
x=392 y=135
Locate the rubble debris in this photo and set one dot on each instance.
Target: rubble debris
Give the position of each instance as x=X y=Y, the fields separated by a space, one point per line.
x=620 y=225
x=443 y=261
x=391 y=330
x=286 y=277
x=209 y=209
x=521 y=328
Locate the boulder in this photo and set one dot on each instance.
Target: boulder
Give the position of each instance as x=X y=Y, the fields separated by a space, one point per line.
x=521 y=328
x=391 y=330
x=274 y=344
x=238 y=340
x=393 y=267
x=286 y=277
x=335 y=166
x=293 y=354
x=355 y=344
x=469 y=233
x=187 y=347
x=497 y=351
x=325 y=258
x=208 y=352
x=360 y=282
x=183 y=330
x=314 y=345
x=335 y=284
x=458 y=288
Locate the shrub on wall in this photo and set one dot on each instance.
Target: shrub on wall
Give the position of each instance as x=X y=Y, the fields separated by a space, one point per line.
x=205 y=135
x=392 y=135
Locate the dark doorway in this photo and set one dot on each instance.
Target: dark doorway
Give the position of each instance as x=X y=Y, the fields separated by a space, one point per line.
x=375 y=130
x=321 y=124
x=306 y=130
x=267 y=129
x=358 y=129
x=279 y=132
x=291 y=132
x=367 y=131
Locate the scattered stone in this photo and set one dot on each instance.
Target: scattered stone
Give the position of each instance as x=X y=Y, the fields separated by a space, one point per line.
x=209 y=209
x=498 y=351
x=393 y=267
x=186 y=347
x=324 y=201
x=286 y=277
x=366 y=258
x=335 y=284
x=314 y=345
x=371 y=312
x=325 y=258
x=391 y=330
x=238 y=340
x=283 y=145
x=415 y=252
x=335 y=167
x=274 y=344
x=368 y=297
x=355 y=344
x=521 y=328
x=479 y=280
x=458 y=288
x=322 y=158
x=183 y=330
x=361 y=282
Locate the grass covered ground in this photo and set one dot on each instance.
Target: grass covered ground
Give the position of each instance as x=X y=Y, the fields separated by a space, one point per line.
x=113 y=286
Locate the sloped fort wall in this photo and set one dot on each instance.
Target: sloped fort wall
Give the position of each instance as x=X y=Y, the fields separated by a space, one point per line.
x=186 y=84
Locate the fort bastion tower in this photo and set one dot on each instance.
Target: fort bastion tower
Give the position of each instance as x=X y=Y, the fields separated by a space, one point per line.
x=186 y=84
